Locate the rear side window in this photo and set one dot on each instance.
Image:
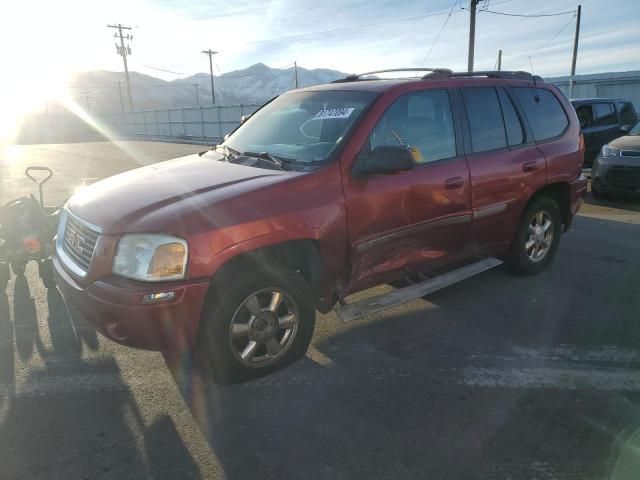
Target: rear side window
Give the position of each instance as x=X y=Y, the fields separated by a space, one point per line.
x=604 y=114
x=485 y=119
x=546 y=116
x=512 y=124
x=627 y=114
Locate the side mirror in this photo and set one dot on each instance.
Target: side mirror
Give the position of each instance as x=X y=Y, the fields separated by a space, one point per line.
x=625 y=128
x=387 y=159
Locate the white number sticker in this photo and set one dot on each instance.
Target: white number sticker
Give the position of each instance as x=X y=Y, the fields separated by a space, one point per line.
x=334 y=113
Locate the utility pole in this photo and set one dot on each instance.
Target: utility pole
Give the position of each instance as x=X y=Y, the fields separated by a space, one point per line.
x=295 y=72
x=472 y=32
x=124 y=52
x=575 y=51
x=120 y=94
x=499 y=60
x=86 y=98
x=211 y=53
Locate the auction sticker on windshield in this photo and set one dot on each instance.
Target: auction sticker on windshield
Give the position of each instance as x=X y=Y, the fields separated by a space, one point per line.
x=334 y=113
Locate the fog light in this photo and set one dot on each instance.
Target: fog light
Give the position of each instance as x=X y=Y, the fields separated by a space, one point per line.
x=158 y=297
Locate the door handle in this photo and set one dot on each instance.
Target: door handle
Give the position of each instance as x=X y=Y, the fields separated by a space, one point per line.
x=453 y=183
x=531 y=166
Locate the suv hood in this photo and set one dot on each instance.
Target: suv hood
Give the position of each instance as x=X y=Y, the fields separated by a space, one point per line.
x=118 y=201
x=628 y=142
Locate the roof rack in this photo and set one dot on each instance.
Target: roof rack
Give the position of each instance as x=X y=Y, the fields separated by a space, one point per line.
x=357 y=76
x=503 y=74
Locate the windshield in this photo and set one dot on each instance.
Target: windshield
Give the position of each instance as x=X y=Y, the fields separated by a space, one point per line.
x=301 y=126
x=635 y=130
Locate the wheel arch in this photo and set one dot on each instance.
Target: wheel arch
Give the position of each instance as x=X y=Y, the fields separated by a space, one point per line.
x=560 y=192
x=301 y=255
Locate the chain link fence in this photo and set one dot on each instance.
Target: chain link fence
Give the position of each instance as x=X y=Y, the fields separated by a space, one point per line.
x=194 y=124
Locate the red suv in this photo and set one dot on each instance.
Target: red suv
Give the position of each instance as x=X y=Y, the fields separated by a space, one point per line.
x=322 y=192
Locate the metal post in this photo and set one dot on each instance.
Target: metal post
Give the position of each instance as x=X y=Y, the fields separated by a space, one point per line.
x=201 y=123
x=499 y=60
x=575 y=51
x=219 y=124
x=197 y=98
x=184 y=127
x=155 y=115
x=295 y=70
x=472 y=33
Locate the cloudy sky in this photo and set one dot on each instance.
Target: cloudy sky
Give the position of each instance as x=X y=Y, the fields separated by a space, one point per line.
x=45 y=41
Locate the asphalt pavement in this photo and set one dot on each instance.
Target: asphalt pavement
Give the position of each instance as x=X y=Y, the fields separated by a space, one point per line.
x=499 y=376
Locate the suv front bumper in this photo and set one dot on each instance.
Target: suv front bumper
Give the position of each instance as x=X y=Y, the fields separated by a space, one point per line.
x=114 y=307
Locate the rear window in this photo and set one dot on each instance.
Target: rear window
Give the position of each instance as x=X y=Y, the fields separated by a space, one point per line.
x=604 y=114
x=546 y=116
x=627 y=114
x=485 y=119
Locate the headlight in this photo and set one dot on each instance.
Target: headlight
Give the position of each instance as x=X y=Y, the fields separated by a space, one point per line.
x=151 y=257
x=607 y=151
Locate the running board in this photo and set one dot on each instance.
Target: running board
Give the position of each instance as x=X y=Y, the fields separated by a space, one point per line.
x=359 y=310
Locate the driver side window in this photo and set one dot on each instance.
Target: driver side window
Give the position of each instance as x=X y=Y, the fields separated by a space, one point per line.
x=421 y=121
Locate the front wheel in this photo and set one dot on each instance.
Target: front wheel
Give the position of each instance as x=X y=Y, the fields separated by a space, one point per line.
x=255 y=324
x=538 y=237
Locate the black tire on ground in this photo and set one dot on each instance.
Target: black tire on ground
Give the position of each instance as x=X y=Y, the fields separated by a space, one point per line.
x=18 y=267
x=518 y=258
x=597 y=193
x=45 y=269
x=5 y=275
x=215 y=358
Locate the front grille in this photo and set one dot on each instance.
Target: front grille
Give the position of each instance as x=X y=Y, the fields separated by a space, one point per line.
x=630 y=153
x=79 y=242
x=624 y=177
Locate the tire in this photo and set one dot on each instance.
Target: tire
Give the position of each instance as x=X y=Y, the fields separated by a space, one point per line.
x=18 y=267
x=522 y=259
x=220 y=353
x=45 y=268
x=597 y=193
x=4 y=276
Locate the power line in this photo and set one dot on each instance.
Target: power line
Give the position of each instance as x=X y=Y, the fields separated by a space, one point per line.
x=340 y=29
x=161 y=69
x=538 y=15
x=439 y=33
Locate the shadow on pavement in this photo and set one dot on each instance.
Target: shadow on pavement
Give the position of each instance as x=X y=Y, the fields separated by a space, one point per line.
x=7 y=364
x=74 y=418
x=64 y=337
x=24 y=317
x=496 y=377
x=78 y=419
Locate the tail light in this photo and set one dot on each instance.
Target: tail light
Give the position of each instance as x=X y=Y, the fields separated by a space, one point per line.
x=582 y=149
x=31 y=244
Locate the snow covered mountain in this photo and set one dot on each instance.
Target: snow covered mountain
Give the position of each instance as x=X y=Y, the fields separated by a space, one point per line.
x=100 y=90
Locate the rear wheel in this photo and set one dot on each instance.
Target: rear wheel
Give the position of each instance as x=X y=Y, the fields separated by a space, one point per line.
x=18 y=267
x=255 y=324
x=538 y=237
x=45 y=268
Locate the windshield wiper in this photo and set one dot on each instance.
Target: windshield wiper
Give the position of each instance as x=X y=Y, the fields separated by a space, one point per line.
x=267 y=156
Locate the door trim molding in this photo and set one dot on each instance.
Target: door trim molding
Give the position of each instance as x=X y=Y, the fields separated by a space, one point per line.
x=488 y=211
x=414 y=228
